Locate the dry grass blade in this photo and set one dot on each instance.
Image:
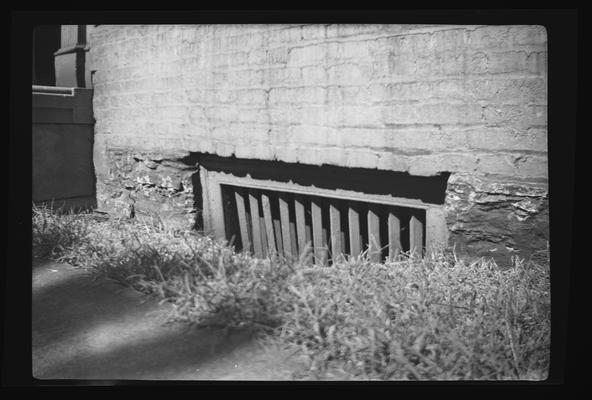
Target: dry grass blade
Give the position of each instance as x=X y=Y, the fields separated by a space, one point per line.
x=443 y=317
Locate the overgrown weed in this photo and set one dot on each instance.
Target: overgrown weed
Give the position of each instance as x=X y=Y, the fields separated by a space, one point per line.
x=443 y=317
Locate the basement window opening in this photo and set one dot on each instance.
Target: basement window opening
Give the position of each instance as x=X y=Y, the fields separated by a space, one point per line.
x=264 y=222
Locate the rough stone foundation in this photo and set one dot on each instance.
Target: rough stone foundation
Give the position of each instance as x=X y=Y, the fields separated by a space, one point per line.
x=484 y=218
x=500 y=220
x=152 y=185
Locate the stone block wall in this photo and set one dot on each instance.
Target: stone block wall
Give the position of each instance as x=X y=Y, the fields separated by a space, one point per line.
x=422 y=99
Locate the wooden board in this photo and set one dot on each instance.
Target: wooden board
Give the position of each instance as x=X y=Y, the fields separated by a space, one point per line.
x=415 y=236
x=373 y=235
x=355 y=238
x=335 y=221
x=317 y=231
x=285 y=225
x=300 y=222
x=243 y=223
x=255 y=224
x=394 y=236
x=266 y=205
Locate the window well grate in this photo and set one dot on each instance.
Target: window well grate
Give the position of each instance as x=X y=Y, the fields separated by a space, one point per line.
x=269 y=221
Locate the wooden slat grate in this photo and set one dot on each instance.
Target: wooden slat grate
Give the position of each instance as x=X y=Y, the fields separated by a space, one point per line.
x=266 y=222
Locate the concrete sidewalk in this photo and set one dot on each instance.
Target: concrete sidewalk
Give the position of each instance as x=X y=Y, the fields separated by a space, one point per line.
x=97 y=329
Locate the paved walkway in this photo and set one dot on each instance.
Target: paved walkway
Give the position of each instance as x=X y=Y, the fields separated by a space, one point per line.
x=86 y=329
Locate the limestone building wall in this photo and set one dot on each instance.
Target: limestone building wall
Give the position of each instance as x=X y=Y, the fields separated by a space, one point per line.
x=422 y=99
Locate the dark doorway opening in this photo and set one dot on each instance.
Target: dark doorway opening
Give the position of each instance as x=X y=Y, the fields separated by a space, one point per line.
x=46 y=41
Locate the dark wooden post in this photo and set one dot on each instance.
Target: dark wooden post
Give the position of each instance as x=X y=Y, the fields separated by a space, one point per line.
x=70 y=60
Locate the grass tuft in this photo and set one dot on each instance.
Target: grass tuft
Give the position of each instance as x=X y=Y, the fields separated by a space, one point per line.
x=443 y=317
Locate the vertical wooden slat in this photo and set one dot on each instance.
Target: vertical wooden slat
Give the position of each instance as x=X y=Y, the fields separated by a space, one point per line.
x=263 y=231
x=277 y=230
x=242 y=219
x=293 y=239
x=394 y=235
x=308 y=234
x=317 y=231
x=266 y=205
x=230 y=232
x=285 y=225
x=415 y=236
x=213 y=209
x=325 y=240
x=255 y=224
x=355 y=239
x=249 y=222
x=335 y=221
x=300 y=222
x=308 y=231
x=373 y=234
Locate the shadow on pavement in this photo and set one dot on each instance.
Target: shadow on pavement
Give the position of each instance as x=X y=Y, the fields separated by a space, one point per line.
x=85 y=329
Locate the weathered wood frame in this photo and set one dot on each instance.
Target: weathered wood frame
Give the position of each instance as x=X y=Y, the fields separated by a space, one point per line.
x=213 y=213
